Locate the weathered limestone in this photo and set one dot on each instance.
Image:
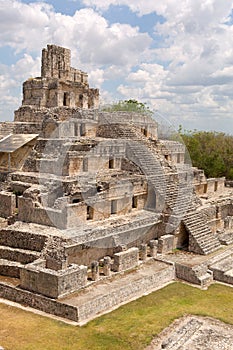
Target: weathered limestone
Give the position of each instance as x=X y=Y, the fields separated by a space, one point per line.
x=153 y=244
x=7 y=204
x=165 y=244
x=92 y=194
x=36 y=277
x=199 y=274
x=107 y=266
x=143 y=252
x=126 y=260
x=95 y=271
x=194 y=332
x=59 y=84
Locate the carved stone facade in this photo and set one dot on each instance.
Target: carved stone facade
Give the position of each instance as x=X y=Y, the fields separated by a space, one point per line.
x=88 y=196
x=59 y=84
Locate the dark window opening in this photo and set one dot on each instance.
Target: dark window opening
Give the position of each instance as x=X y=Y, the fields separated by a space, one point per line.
x=216 y=186
x=76 y=200
x=205 y=188
x=111 y=163
x=145 y=132
x=178 y=158
x=17 y=195
x=113 y=207
x=80 y=100
x=90 y=213
x=134 y=202
x=66 y=99
x=99 y=188
x=166 y=156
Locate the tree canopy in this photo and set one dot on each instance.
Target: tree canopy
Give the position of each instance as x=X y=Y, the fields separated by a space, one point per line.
x=210 y=151
x=129 y=106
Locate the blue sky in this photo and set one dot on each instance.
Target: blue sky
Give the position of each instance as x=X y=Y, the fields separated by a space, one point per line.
x=175 y=56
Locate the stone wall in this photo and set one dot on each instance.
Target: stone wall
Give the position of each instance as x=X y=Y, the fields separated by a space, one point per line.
x=39 y=302
x=198 y=274
x=39 y=215
x=36 y=278
x=126 y=260
x=7 y=204
x=59 y=84
x=127 y=292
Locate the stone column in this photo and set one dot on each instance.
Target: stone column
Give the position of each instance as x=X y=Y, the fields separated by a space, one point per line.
x=95 y=270
x=107 y=266
x=143 y=251
x=153 y=244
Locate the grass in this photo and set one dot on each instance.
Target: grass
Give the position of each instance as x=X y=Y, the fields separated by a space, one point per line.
x=130 y=327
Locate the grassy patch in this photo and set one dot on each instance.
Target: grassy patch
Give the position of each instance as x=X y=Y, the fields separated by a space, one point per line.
x=130 y=327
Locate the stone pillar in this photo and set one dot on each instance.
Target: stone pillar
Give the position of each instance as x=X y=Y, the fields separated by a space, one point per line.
x=143 y=251
x=95 y=270
x=153 y=244
x=165 y=244
x=107 y=266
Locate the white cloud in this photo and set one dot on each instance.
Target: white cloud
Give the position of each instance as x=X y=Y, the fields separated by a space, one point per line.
x=96 y=77
x=97 y=46
x=196 y=11
x=188 y=73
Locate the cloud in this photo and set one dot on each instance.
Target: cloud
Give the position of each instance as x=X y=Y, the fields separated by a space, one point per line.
x=86 y=33
x=184 y=68
x=97 y=46
x=11 y=78
x=195 y=11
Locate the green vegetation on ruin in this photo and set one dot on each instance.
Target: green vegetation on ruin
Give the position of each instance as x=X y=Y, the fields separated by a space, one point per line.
x=132 y=326
x=128 y=106
x=210 y=151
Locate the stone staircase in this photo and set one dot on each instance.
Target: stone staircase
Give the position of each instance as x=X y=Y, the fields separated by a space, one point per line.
x=201 y=239
x=139 y=151
x=149 y=164
x=19 y=245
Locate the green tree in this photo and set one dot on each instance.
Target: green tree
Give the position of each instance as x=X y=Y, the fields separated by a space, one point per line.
x=210 y=151
x=129 y=106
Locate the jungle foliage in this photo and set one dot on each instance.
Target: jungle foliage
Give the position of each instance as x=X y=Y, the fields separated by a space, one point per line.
x=129 y=106
x=210 y=151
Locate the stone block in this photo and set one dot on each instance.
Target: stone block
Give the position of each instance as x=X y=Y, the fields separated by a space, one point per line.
x=153 y=244
x=7 y=204
x=126 y=260
x=165 y=244
x=37 y=278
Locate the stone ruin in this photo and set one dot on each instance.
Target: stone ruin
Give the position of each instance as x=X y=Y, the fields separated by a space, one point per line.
x=94 y=206
x=194 y=332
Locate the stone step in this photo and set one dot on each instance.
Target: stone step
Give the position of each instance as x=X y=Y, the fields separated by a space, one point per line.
x=14 y=237
x=10 y=268
x=226 y=238
x=224 y=265
x=199 y=230
x=20 y=255
x=201 y=233
x=206 y=280
x=211 y=250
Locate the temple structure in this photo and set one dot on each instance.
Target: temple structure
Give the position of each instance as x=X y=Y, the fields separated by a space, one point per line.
x=94 y=206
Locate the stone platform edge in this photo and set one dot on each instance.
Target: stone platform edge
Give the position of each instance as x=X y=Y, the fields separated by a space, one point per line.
x=94 y=307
